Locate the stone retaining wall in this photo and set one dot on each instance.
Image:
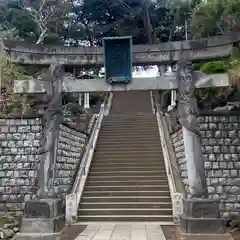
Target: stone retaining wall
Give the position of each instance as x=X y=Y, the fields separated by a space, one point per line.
x=177 y=141
x=19 y=141
x=71 y=146
x=221 y=154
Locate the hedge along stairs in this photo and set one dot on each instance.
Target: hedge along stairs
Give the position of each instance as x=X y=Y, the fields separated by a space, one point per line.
x=127 y=180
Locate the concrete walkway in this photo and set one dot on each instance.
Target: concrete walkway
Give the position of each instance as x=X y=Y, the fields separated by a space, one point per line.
x=108 y=231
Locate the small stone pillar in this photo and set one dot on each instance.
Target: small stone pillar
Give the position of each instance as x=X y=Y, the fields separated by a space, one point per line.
x=86 y=101
x=80 y=99
x=173 y=97
x=173 y=100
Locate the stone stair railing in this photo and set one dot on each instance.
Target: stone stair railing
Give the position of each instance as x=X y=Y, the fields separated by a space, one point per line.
x=73 y=199
x=176 y=186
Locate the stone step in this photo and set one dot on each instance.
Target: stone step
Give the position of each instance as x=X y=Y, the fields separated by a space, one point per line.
x=131 y=139
x=128 y=123
x=127 y=178
x=123 y=199
x=127 y=141
x=128 y=159
x=124 y=218
x=121 y=168
x=127 y=188
x=133 y=128
x=118 y=155
x=141 y=162
x=141 y=132
x=111 y=134
x=122 y=155
x=131 y=183
x=131 y=193
x=134 y=124
x=129 y=152
x=141 y=148
x=146 y=147
x=128 y=163
x=126 y=212
x=128 y=173
x=139 y=144
x=126 y=205
x=129 y=117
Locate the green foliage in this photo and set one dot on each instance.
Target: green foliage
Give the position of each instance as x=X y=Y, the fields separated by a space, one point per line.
x=197 y=66
x=71 y=110
x=33 y=18
x=21 y=20
x=214 y=17
x=214 y=67
x=67 y=110
x=9 y=101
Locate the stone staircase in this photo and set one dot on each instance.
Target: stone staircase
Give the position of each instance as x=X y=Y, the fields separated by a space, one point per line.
x=127 y=179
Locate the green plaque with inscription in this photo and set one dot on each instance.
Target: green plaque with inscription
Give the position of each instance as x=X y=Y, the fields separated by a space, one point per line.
x=118 y=59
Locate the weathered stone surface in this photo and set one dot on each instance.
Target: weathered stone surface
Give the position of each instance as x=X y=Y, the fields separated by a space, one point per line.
x=71 y=147
x=19 y=141
x=142 y=54
x=221 y=155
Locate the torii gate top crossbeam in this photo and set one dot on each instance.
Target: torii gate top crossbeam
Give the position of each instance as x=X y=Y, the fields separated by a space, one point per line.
x=162 y=53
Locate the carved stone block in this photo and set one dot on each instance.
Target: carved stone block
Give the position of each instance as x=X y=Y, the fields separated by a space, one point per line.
x=201 y=216
x=202 y=225
x=201 y=208
x=43 y=225
x=43 y=208
x=37 y=236
x=43 y=219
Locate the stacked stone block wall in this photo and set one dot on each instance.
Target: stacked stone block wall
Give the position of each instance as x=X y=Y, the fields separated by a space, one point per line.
x=71 y=146
x=19 y=142
x=177 y=141
x=221 y=155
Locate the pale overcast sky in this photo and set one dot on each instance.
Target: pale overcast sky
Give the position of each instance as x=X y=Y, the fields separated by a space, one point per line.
x=151 y=72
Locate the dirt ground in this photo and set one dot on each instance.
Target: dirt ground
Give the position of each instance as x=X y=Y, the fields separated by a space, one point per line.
x=72 y=232
x=170 y=232
x=236 y=235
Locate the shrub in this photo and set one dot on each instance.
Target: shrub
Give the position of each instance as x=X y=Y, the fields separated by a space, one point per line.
x=214 y=67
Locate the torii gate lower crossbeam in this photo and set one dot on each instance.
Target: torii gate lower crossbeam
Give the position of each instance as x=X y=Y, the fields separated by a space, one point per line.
x=100 y=85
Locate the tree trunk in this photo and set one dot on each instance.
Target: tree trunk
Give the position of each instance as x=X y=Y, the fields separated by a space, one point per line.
x=42 y=36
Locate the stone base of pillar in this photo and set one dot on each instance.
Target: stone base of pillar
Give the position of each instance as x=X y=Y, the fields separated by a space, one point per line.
x=201 y=216
x=203 y=236
x=43 y=219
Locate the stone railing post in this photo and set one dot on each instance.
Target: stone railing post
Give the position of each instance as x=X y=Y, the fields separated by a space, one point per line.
x=45 y=216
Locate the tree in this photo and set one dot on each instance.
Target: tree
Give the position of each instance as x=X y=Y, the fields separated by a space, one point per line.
x=214 y=17
x=36 y=21
x=94 y=19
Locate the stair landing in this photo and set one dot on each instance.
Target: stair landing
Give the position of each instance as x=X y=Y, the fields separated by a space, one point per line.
x=122 y=231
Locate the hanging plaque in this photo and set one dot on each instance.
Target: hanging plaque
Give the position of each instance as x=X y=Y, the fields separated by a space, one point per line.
x=118 y=59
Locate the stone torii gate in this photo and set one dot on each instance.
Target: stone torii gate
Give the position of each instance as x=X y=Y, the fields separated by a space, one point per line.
x=180 y=53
